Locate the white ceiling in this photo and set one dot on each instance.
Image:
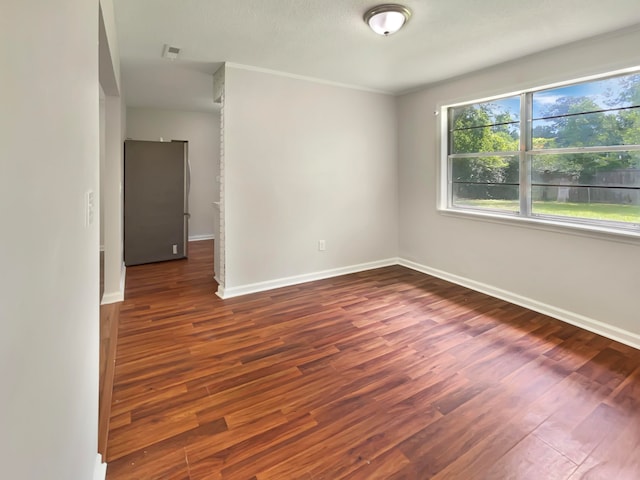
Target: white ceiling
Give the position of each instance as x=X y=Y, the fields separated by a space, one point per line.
x=328 y=40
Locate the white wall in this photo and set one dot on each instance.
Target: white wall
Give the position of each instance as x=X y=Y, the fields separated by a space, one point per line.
x=305 y=161
x=109 y=55
x=112 y=197
x=111 y=174
x=103 y=157
x=49 y=279
x=589 y=277
x=202 y=130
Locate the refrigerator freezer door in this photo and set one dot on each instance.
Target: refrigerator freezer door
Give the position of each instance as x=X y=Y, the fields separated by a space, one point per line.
x=154 y=201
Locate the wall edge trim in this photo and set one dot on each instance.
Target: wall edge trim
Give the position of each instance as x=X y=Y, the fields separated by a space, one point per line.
x=118 y=296
x=100 y=469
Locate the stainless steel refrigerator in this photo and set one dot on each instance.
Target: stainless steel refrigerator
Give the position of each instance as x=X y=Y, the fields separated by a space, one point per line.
x=156 y=207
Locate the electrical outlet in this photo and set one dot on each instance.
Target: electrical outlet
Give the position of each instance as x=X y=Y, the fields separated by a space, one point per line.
x=175 y=249
x=322 y=245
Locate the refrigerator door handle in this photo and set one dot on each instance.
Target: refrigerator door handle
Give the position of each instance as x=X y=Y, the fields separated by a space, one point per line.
x=188 y=176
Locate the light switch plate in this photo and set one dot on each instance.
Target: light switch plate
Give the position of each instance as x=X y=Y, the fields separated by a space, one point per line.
x=89 y=207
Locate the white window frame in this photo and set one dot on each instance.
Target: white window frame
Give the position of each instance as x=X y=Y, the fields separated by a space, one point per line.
x=573 y=225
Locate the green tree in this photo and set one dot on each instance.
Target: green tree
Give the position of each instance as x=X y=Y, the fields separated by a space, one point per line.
x=630 y=118
x=610 y=118
x=580 y=122
x=485 y=128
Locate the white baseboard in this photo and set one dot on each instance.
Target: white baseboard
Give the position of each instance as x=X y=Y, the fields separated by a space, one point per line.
x=197 y=238
x=115 y=297
x=590 y=324
x=225 y=293
x=220 y=290
x=100 y=469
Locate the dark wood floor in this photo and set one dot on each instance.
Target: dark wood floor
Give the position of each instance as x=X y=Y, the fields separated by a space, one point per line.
x=386 y=374
x=109 y=321
x=108 y=337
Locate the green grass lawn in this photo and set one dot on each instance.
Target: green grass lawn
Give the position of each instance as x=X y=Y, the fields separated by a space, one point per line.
x=596 y=211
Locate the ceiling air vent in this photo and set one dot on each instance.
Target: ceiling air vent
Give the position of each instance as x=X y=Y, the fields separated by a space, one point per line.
x=170 y=52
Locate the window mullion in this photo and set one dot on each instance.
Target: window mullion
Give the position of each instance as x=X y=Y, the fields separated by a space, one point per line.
x=525 y=158
x=603 y=148
x=505 y=153
x=449 y=152
x=449 y=183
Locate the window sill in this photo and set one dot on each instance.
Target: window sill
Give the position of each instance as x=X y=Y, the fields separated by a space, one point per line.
x=589 y=231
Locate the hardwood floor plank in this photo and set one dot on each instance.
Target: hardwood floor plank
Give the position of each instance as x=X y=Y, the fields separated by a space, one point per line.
x=441 y=443
x=109 y=322
x=381 y=467
x=477 y=460
x=531 y=459
x=608 y=367
x=558 y=430
x=383 y=374
x=151 y=463
x=617 y=454
x=242 y=457
x=123 y=440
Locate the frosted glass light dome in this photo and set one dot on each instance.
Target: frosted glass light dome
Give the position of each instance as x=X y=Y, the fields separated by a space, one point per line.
x=387 y=19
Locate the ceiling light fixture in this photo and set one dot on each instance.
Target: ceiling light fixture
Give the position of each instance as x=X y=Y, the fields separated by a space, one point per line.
x=387 y=19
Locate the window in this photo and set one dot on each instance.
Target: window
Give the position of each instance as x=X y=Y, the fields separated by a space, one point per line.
x=569 y=154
